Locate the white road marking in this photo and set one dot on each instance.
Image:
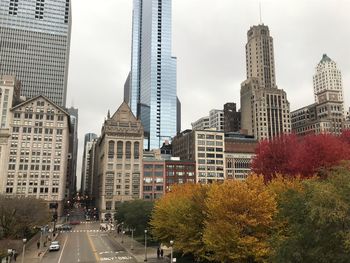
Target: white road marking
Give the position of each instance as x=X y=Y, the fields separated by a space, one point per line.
x=64 y=245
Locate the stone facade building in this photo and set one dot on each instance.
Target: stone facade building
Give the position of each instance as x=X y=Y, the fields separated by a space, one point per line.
x=264 y=108
x=239 y=154
x=326 y=115
x=9 y=95
x=38 y=150
x=119 y=156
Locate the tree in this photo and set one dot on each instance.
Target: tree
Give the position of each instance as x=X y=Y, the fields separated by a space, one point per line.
x=239 y=219
x=274 y=156
x=305 y=156
x=318 y=221
x=135 y=214
x=19 y=216
x=179 y=216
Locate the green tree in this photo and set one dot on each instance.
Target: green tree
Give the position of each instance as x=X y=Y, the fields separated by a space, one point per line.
x=135 y=214
x=318 y=221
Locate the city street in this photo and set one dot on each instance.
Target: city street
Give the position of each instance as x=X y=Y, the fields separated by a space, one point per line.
x=87 y=243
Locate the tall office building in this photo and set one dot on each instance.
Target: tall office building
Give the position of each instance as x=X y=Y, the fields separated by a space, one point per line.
x=150 y=89
x=85 y=175
x=326 y=115
x=327 y=77
x=264 y=108
x=73 y=153
x=34 y=46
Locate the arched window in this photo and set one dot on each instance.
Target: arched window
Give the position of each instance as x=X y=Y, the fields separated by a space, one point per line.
x=136 y=150
x=119 y=150
x=111 y=149
x=229 y=163
x=128 y=150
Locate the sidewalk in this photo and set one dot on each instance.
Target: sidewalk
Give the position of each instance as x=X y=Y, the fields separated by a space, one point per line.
x=32 y=253
x=138 y=251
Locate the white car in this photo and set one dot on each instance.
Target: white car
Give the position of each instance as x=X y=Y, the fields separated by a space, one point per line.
x=54 y=246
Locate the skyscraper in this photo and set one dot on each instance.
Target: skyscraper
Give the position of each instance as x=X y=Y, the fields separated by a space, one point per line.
x=150 y=90
x=264 y=107
x=327 y=77
x=34 y=46
x=85 y=176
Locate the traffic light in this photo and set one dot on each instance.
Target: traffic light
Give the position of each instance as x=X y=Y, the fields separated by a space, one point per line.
x=54 y=217
x=53 y=205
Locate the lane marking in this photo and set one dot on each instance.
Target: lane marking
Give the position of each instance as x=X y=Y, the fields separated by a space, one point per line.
x=93 y=248
x=64 y=245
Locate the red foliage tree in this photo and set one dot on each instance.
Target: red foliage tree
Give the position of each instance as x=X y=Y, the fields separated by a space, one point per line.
x=305 y=156
x=274 y=156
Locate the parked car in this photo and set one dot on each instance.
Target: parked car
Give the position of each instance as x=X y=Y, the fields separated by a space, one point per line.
x=74 y=222
x=54 y=246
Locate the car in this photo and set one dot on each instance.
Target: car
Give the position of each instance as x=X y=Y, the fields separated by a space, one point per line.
x=54 y=246
x=66 y=228
x=74 y=222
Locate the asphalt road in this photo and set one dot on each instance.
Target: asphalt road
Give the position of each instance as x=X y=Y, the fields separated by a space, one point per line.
x=87 y=243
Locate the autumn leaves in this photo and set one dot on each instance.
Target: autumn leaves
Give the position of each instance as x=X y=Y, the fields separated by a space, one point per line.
x=227 y=222
x=285 y=220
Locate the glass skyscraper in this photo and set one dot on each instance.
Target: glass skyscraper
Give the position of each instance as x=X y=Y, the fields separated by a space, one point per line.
x=150 y=89
x=34 y=46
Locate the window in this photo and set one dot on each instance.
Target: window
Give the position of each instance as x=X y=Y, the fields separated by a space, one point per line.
x=119 y=150
x=111 y=149
x=136 y=150
x=128 y=150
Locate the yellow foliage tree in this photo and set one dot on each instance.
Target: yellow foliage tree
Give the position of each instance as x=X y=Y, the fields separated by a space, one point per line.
x=179 y=216
x=238 y=222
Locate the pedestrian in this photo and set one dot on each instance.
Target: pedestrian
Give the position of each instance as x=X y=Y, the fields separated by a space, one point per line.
x=15 y=254
x=161 y=253
x=158 y=252
x=38 y=244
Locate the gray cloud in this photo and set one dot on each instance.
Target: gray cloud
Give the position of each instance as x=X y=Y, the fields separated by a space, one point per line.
x=209 y=40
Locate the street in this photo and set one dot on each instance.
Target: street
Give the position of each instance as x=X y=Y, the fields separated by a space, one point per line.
x=87 y=243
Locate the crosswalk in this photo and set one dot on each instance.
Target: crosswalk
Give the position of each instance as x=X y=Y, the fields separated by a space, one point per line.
x=82 y=231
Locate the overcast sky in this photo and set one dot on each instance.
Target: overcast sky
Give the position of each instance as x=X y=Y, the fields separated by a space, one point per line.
x=209 y=42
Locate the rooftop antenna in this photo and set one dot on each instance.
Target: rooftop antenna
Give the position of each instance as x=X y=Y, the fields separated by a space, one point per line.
x=260 y=12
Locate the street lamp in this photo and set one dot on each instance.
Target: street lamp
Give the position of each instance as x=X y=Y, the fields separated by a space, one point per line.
x=123 y=236
x=145 y=245
x=24 y=248
x=171 y=250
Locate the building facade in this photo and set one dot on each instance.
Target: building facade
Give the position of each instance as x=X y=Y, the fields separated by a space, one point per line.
x=119 y=155
x=9 y=95
x=85 y=175
x=38 y=153
x=73 y=153
x=34 y=46
x=239 y=154
x=264 y=108
x=206 y=148
x=325 y=116
x=232 y=118
x=327 y=77
x=201 y=124
x=151 y=85
x=179 y=172
x=216 y=119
